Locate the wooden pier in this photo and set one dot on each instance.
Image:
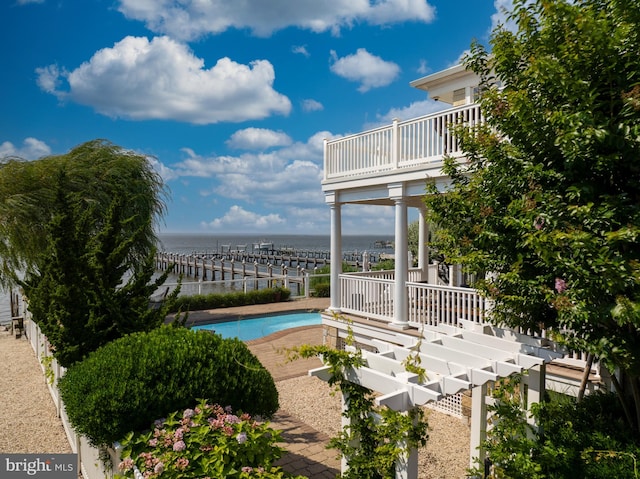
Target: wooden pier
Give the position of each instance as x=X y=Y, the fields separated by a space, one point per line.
x=258 y=264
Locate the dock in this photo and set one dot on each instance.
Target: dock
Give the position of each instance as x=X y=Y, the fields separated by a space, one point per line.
x=260 y=263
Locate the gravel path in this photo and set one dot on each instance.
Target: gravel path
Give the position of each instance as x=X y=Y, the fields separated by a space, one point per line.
x=28 y=419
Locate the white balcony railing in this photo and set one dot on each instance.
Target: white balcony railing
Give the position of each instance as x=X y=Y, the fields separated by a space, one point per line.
x=401 y=145
x=371 y=295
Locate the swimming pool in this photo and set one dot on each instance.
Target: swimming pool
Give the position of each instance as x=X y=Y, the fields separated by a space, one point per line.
x=254 y=328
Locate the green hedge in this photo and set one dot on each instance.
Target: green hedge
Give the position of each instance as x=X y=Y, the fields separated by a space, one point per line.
x=134 y=380
x=228 y=300
x=321 y=290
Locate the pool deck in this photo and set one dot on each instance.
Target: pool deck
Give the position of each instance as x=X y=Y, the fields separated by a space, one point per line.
x=307 y=453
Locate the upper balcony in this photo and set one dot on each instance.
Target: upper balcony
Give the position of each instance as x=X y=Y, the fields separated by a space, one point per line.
x=416 y=144
x=406 y=150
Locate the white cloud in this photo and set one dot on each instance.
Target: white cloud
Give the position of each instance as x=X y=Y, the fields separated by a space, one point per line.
x=49 y=78
x=503 y=8
x=238 y=219
x=26 y=2
x=367 y=69
x=423 y=69
x=161 y=79
x=258 y=139
x=302 y=50
x=311 y=105
x=164 y=171
x=414 y=110
x=290 y=174
x=192 y=19
x=31 y=149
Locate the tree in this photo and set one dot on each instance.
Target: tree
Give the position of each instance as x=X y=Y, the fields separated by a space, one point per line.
x=77 y=235
x=88 y=290
x=549 y=198
x=96 y=172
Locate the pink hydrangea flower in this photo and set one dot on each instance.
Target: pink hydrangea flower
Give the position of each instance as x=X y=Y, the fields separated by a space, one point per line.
x=179 y=446
x=188 y=413
x=561 y=285
x=182 y=463
x=159 y=468
x=126 y=465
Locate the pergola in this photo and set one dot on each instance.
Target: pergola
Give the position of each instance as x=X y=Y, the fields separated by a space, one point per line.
x=455 y=359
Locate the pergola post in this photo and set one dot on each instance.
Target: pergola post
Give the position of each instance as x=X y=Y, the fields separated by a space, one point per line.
x=535 y=380
x=407 y=464
x=478 y=424
x=346 y=423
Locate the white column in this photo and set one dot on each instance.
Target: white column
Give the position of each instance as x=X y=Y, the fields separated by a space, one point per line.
x=400 y=303
x=336 y=251
x=423 y=250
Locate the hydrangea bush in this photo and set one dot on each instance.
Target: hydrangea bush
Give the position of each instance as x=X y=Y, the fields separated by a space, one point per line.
x=207 y=442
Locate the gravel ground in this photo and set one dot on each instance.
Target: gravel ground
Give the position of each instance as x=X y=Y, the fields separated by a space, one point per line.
x=446 y=455
x=26 y=429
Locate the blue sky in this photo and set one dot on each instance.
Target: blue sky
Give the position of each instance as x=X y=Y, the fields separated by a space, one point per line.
x=231 y=99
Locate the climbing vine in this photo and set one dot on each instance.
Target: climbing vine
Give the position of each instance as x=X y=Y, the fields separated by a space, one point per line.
x=376 y=437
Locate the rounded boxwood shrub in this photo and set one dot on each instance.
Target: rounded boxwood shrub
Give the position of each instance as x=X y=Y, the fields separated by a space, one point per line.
x=130 y=382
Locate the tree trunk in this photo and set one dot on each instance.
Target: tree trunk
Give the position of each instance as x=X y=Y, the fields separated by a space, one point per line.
x=585 y=376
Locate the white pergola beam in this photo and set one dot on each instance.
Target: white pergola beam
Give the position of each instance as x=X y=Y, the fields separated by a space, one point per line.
x=479 y=377
x=507 y=369
x=527 y=362
x=452 y=385
x=477 y=349
x=455 y=356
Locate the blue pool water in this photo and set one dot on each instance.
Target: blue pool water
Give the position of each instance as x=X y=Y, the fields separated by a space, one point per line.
x=248 y=329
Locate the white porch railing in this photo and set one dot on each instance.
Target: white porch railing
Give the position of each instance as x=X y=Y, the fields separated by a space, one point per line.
x=371 y=295
x=401 y=145
x=431 y=305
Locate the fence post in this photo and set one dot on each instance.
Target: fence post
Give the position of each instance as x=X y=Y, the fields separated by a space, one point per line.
x=307 y=285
